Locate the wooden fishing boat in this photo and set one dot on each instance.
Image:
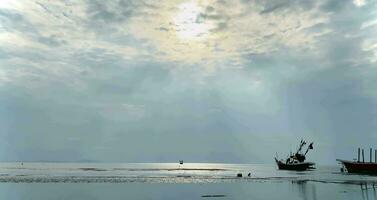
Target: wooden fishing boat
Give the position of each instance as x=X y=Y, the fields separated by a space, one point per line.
x=359 y=167
x=296 y=161
x=295 y=165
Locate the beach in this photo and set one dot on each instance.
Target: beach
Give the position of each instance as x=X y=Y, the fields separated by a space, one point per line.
x=174 y=181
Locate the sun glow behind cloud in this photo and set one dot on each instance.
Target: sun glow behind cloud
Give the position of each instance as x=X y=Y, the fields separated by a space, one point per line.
x=213 y=34
x=359 y=3
x=188 y=25
x=6 y=3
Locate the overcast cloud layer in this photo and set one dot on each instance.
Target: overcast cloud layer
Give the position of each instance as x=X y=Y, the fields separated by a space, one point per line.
x=203 y=81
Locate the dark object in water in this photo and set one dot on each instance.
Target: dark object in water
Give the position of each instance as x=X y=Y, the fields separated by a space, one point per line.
x=92 y=169
x=181 y=162
x=239 y=175
x=249 y=174
x=183 y=176
x=214 y=195
x=296 y=161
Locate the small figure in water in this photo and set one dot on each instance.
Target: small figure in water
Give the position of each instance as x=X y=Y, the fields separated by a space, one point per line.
x=181 y=162
x=249 y=174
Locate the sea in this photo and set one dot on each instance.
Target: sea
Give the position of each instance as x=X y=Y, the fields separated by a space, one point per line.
x=57 y=181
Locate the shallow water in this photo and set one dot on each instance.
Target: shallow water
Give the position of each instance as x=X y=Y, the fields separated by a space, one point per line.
x=174 y=181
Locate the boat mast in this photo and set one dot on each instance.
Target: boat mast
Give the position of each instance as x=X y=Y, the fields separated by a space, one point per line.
x=309 y=147
x=302 y=143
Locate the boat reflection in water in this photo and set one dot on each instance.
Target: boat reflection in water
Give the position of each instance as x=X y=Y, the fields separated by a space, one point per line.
x=306 y=191
x=368 y=191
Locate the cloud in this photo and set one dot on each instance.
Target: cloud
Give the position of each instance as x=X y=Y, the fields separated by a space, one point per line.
x=114 y=12
x=233 y=32
x=137 y=30
x=47 y=47
x=122 y=112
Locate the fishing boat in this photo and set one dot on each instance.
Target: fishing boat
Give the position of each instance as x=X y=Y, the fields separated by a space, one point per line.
x=296 y=161
x=360 y=166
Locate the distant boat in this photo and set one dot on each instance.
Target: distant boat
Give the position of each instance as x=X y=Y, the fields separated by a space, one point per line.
x=360 y=167
x=296 y=161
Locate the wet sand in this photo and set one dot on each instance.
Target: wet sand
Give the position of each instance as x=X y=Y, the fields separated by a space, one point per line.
x=265 y=190
x=170 y=181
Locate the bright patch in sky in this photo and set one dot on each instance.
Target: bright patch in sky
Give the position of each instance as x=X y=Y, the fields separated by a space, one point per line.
x=7 y=3
x=188 y=24
x=359 y=3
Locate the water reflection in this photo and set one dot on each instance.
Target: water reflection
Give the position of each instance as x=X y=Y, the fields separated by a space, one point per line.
x=368 y=191
x=306 y=191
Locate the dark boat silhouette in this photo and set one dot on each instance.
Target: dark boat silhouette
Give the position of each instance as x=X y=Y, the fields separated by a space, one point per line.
x=360 y=167
x=296 y=161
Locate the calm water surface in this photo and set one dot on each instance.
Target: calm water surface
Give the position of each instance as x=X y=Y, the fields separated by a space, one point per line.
x=173 y=181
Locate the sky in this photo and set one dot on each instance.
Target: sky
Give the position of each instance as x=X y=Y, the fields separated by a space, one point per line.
x=198 y=80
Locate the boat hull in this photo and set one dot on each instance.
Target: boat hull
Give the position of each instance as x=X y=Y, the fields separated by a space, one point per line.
x=359 y=167
x=295 y=166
